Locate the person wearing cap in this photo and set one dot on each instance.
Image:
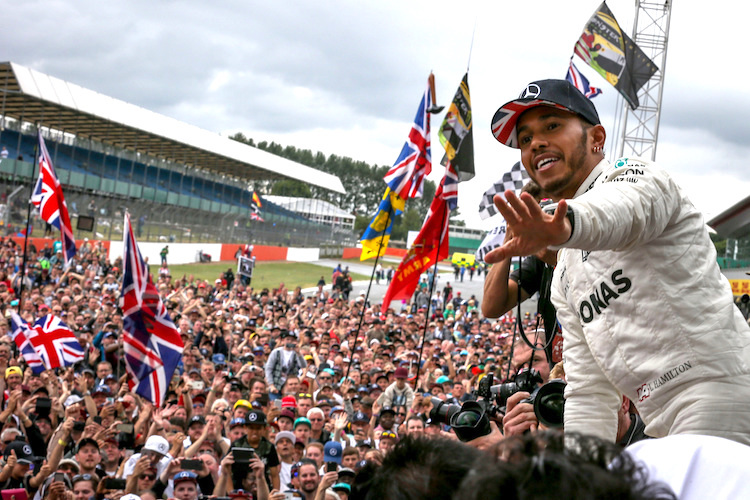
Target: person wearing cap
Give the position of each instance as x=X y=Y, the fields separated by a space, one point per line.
x=255 y=427
x=284 y=442
x=302 y=429
x=18 y=461
x=283 y=362
x=399 y=393
x=632 y=246
x=89 y=457
x=156 y=450
x=185 y=485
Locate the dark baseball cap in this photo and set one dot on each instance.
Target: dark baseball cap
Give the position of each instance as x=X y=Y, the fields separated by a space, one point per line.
x=255 y=417
x=560 y=94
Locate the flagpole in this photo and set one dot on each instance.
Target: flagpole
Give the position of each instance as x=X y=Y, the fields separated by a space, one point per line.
x=471 y=45
x=367 y=295
x=28 y=223
x=432 y=287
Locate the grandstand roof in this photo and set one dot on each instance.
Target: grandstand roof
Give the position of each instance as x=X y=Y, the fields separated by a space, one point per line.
x=734 y=222
x=309 y=206
x=34 y=97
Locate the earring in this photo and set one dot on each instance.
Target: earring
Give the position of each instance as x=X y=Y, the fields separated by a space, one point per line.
x=596 y=149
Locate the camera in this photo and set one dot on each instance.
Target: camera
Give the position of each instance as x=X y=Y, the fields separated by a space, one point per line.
x=472 y=419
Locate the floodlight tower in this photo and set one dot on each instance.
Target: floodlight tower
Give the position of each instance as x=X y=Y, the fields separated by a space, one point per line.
x=640 y=127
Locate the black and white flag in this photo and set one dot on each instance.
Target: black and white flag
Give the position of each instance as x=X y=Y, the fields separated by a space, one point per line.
x=491 y=241
x=513 y=180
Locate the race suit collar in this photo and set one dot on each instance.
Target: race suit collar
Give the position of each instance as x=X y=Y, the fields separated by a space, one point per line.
x=587 y=184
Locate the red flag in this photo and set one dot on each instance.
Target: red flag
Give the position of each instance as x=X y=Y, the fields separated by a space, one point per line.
x=431 y=244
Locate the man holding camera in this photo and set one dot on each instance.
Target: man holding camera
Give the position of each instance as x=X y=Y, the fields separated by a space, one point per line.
x=644 y=309
x=255 y=427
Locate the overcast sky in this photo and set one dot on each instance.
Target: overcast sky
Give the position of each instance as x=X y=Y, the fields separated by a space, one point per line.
x=346 y=77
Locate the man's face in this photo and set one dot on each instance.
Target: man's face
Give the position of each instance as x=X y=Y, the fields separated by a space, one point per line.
x=308 y=479
x=254 y=433
x=554 y=150
x=302 y=432
x=186 y=490
x=207 y=372
x=415 y=426
x=314 y=453
x=292 y=385
x=317 y=421
x=236 y=432
x=195 y=430
x=13 y=381
x=258 y=388
x=385 y=445
x=285 y=447
x=112 y=451
x=103 y=370
x=521 y=356
x=88 y=457
x=349 y=461
x=4 y=353
x=386 y=420
x=83 y=490
x=285 y=424
x=304 y=405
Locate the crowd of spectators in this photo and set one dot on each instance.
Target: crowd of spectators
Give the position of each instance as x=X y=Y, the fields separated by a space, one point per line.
x=274 y=386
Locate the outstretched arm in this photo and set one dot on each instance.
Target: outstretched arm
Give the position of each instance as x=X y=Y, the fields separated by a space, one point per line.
x=533 y=229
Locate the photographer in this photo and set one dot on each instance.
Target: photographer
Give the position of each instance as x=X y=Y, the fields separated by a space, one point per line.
x=254 y=438
x=253 y=481
x=520 y=417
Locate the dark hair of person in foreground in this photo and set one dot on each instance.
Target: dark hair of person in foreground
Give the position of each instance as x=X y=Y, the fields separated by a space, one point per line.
x=552 y=466
x=417 y=468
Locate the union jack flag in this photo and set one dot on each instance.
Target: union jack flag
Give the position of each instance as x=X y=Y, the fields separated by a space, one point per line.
x=256 y=216
x=151 y=343
x=46 y=345
x=406 y=176
x=581 y=82
x=48 y=198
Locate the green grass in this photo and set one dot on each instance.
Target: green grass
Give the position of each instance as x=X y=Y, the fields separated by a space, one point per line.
x=265 y=275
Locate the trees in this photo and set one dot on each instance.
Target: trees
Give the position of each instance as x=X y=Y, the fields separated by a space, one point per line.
x=363 y=184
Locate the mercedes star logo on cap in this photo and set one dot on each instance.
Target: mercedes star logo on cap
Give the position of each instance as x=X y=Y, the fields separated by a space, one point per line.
x=532 y=91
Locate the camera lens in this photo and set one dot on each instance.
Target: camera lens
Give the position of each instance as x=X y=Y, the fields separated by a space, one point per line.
x=468 y=418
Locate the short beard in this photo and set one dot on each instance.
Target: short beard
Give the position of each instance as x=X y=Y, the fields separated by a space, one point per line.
x=576 y=163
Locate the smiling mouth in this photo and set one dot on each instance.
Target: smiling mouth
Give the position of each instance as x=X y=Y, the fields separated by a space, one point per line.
x=546 y=164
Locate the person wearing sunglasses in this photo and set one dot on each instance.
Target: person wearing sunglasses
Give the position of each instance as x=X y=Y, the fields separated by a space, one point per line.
x=84 y=486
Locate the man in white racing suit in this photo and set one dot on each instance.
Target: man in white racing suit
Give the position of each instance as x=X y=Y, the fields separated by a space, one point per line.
x=644 y=308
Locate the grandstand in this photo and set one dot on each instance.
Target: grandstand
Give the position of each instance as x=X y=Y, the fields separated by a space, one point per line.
x=180 y=182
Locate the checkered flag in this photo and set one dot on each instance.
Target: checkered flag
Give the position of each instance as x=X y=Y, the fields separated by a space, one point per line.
x=514 y=180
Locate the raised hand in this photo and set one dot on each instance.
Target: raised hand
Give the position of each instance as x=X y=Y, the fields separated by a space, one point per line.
x=533 y=229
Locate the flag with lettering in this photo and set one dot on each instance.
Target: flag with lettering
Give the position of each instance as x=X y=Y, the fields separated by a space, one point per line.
x=151 y=342
x=431 y=244
x=406 y=176
x=514 y=180
x=610 y=51
x=375 y=238
x=492 y=240
x=456 y=133
x=48 y=198
x=581 y=82
x=48 y=344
